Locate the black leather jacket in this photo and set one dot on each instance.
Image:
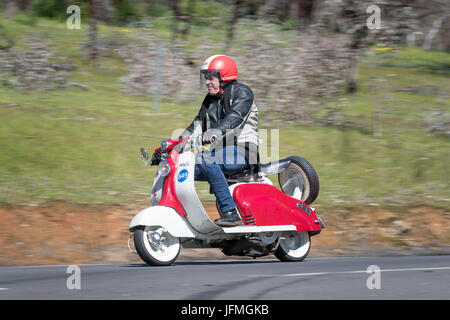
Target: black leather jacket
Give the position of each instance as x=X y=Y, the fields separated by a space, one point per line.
x=240 y=120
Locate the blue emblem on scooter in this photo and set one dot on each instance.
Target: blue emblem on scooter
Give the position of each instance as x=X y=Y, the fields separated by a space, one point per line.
x=182 y=175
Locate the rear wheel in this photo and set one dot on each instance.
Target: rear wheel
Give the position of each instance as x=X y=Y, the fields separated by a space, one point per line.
x=156 y=246
x=293 y=247
x=300 y=180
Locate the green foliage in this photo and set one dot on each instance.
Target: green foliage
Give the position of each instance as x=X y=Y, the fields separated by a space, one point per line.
x=26 y=19
x=126 y=11
x=158 y=10
x=49 y=8
x=288 y=24
x=417 y=57
x=202 y=11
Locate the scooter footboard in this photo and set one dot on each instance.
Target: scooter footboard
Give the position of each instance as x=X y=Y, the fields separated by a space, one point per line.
x=165 y=217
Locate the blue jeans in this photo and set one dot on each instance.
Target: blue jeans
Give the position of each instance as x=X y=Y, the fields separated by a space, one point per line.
x=211 y=167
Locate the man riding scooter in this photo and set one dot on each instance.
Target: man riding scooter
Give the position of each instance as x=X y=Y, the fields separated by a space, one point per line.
x=229 y=116
x=278 y=221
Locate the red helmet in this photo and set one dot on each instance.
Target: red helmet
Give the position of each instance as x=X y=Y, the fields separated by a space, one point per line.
x=220 y=65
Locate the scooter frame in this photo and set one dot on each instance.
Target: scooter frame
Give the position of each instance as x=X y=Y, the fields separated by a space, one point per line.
x=178 y=210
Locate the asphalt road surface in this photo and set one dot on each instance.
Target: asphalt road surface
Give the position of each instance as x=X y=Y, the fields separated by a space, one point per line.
x=361 y=278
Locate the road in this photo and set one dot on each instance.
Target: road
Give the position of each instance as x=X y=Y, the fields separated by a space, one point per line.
x=401 y=277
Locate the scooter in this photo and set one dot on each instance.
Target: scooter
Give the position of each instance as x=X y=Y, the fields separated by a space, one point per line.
x=275 y=221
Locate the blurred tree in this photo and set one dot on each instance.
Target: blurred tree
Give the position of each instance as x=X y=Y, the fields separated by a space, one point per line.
x=233 y=21
x=305 y=11
x=284 y=9
x=183 y=17
x=24 y=5
x=49 y=8
x=175 y=7
x=189 y=13
x=157 y=8
x=125 y=11
x=93 y=21
x=99 y=10
x=253 y=7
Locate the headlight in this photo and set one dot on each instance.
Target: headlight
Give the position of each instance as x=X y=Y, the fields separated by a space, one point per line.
x=164 y=145
x=164 y=168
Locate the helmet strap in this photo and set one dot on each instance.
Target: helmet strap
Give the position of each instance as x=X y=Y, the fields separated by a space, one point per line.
x=223 y=85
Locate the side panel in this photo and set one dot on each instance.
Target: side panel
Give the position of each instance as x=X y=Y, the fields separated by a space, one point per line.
x=165 y=217
x=265 y=205
x=185 y=190
x=169 y=195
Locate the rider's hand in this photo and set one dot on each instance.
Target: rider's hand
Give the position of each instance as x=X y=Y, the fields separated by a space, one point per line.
x=210 y=135
x=156 y=158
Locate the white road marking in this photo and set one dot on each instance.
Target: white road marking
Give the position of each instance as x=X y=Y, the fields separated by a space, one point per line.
x=4 y=289
x=346 y=272
x=65 y=265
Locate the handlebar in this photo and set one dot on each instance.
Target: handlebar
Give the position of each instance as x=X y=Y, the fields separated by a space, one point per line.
x=178 y=145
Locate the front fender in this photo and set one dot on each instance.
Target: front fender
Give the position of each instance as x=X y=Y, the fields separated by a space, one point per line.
x=165 y=217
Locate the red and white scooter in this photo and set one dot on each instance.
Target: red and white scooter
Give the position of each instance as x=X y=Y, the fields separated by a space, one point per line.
x=275 y=221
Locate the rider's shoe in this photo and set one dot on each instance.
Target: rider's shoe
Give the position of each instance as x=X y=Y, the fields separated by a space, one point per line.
x=229 y=219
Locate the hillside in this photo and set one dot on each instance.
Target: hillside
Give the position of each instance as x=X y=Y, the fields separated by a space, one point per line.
x=80 y=143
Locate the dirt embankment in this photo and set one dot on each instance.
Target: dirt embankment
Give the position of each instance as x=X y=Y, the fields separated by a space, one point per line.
x=66 y=233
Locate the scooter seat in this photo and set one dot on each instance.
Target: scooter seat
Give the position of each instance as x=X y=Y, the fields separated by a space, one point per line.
x=246 y=174
x=250 y=172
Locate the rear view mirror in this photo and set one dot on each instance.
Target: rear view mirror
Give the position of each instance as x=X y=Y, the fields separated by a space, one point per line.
x=144 y=156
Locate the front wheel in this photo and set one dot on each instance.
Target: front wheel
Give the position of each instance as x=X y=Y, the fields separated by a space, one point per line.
x=156 y=246
x=293 y=247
